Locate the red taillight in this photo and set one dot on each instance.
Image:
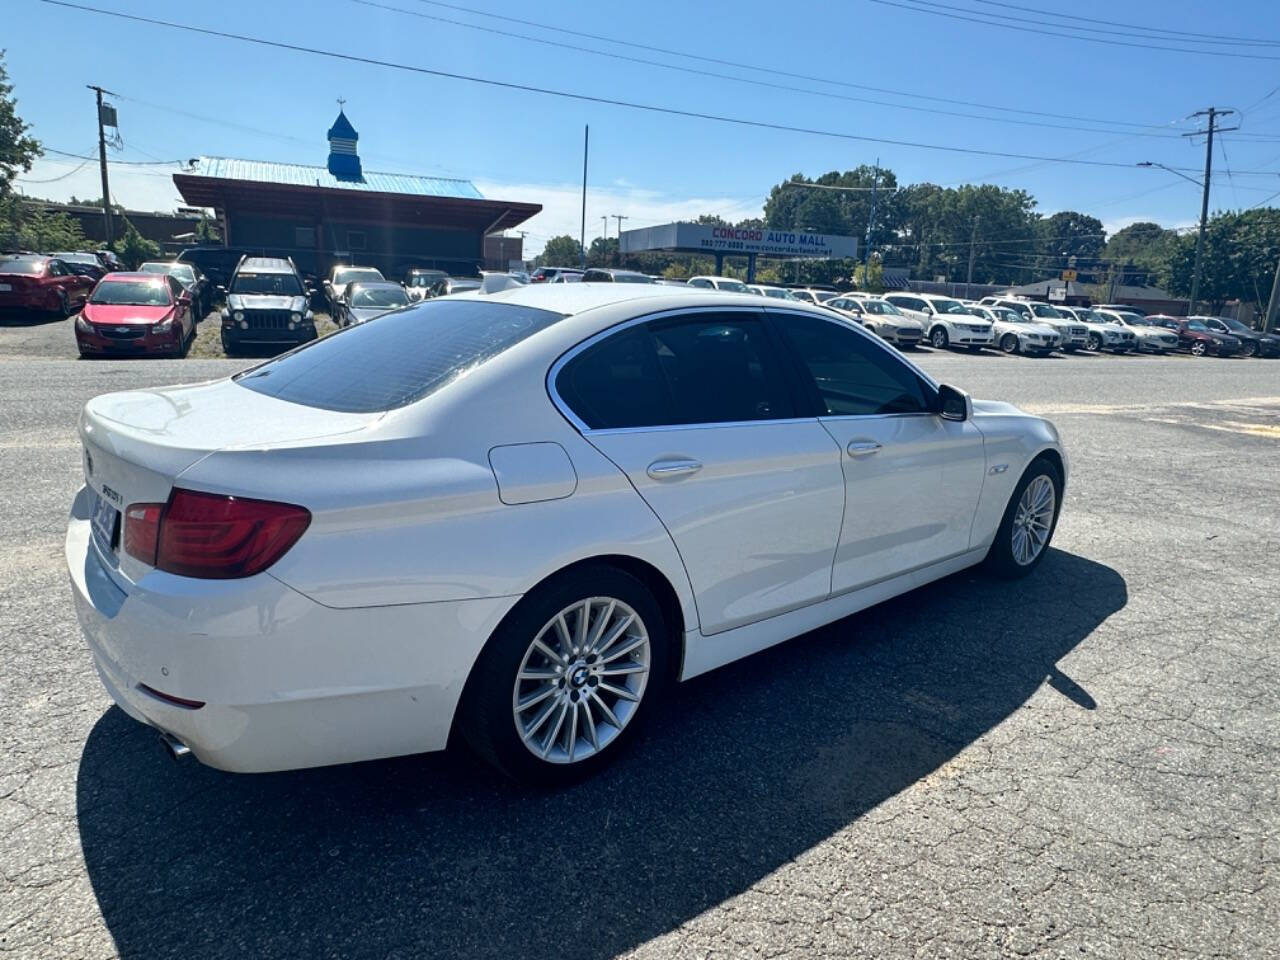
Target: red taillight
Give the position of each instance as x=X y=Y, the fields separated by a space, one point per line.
x=212 y=535
x=142 y=530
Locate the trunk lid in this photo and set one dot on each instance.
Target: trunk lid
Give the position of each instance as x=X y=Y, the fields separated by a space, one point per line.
x=138 y=443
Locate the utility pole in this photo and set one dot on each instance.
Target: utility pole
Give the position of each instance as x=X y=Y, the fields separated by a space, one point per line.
x=871 y=219
x=1269 y=318
x=582 y=240
x=1212 y=113
x=619 y=217
x=605 y=220
x=102 y=164
x=973 y=236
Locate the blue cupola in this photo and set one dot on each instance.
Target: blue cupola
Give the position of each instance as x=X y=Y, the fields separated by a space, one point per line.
x=344 y=162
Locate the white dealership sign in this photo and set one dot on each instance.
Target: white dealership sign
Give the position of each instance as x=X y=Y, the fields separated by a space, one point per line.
x=710 y=238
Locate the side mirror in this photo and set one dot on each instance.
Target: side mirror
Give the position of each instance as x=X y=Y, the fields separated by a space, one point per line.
x=954 y=404
x=222 y=291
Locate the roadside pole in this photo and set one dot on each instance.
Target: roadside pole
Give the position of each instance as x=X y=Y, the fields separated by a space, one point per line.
x=582 y=239
x=1273 y=305
x=1212 y=113
x=973 y=236
x=102 y=164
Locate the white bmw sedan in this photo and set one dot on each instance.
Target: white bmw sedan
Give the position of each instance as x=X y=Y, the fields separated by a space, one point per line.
x=519 y=516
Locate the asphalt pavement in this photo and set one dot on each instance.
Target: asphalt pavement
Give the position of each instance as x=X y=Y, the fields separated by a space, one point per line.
x=1083 y=764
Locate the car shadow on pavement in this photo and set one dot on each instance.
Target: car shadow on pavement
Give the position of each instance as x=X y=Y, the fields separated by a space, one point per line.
x=740 y=772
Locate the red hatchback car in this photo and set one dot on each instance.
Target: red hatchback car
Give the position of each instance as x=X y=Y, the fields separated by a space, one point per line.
x=136 y=313
x=42 y=284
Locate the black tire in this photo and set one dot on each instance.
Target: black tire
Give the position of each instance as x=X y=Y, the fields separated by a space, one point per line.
x=938 y=338
x=64 y=305
x=1094 y=344
x=999 y=560
x=1248 y=349
x=228 y=347
x=1009 y=343
x=485 y=717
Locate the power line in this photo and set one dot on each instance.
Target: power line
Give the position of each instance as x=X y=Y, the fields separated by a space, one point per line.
x=745 y=80
x=921 y=6
x=586 y=98
x=136 y=163
x=783 y=73
x=70 y=173
x=1147 y=29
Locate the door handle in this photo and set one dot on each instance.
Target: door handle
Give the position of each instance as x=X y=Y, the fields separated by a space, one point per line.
x=670 y=469
x=862 y=448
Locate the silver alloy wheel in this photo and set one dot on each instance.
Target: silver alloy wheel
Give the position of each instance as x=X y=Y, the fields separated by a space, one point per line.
x=581 y=680
x=1198 y=348
x=1032 y=520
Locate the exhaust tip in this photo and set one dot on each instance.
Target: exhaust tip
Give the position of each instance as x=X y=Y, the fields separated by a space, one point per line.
x=173 y=746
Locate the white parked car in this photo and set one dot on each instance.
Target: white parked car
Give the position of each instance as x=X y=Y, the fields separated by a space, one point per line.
x=519 y=515
x=727 y=284
x=777 y=293
x=889 y=323
x=1147 y=336
x=1074 y=334
x=1014 y=333
x=1103 y=334
x=815 y=295
x=947 y=322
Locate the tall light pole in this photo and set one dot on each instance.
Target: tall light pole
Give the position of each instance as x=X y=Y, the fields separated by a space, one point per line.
x=102 y=164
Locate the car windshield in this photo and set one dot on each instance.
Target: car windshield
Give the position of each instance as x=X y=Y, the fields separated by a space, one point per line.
x=1046 y=311
x=1009 y=316
x=88 y=258
x=132 y=293
x=389 y=296
x=32 y=268
x=883 y=307
x=1234 y=325
x=345 y=275
x=1133 y=320
x=1197 y=325
x=949 y=306
x=266 y=284
x=733 y=286
x=424 y=279
x=404 y=357
x=779 y=294
x=638 y=278
x=154 y=267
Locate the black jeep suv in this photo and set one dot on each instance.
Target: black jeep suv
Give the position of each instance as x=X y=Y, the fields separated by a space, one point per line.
x=266 y=305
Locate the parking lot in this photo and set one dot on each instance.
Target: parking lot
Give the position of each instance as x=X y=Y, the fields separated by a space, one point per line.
x=1081 y=765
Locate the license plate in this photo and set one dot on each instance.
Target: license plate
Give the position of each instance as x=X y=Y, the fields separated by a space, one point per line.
x=4 y=287
x=106 y=520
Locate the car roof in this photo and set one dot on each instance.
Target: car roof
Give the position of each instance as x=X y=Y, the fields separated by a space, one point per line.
x=573 y=298
x=264 y=265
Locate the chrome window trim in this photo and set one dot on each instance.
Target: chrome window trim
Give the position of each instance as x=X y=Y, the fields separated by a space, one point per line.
x=764 y=311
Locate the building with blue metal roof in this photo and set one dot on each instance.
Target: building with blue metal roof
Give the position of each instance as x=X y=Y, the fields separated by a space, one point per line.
x=342 y=213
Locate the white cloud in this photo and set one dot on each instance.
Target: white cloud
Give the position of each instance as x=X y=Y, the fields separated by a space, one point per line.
x=562 y=208
x=134 y=187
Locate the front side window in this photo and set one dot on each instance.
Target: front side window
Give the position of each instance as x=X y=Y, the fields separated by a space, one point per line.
x=697 y=369
x=853 y=375
x=699 y=282
x=404 y=357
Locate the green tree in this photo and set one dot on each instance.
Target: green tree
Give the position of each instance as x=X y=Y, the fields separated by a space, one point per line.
x=603 y=252
x=1067 y=235
x=133 y=248
x=17 y=150
x=1145 y=245
x=561 y=251
x=207 y=231
x=1239 y=259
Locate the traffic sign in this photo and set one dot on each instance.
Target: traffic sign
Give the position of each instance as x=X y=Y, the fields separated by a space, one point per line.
x=1068 y=275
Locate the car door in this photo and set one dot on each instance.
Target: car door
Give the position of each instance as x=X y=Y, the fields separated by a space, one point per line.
x=912 y=478
x=699 y=411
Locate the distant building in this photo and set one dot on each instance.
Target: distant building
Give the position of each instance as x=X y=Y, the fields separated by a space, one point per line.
x=342 y=213
x=172 y=231
x=1147 y=298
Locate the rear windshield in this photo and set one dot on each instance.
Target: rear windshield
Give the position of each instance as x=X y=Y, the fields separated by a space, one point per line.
x=379 y=297
x=350 y=275
x=32 y=267
x=402 y=358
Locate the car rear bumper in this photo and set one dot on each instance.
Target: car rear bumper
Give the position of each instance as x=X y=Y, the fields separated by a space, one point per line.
x=285 y=682
x=28 y=300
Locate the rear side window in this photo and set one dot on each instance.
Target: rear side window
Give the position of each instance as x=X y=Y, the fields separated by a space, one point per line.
x=402 y=358
x=853 y=375
x=709 y=369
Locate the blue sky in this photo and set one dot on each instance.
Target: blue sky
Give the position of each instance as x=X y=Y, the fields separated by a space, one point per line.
x=249 y=101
